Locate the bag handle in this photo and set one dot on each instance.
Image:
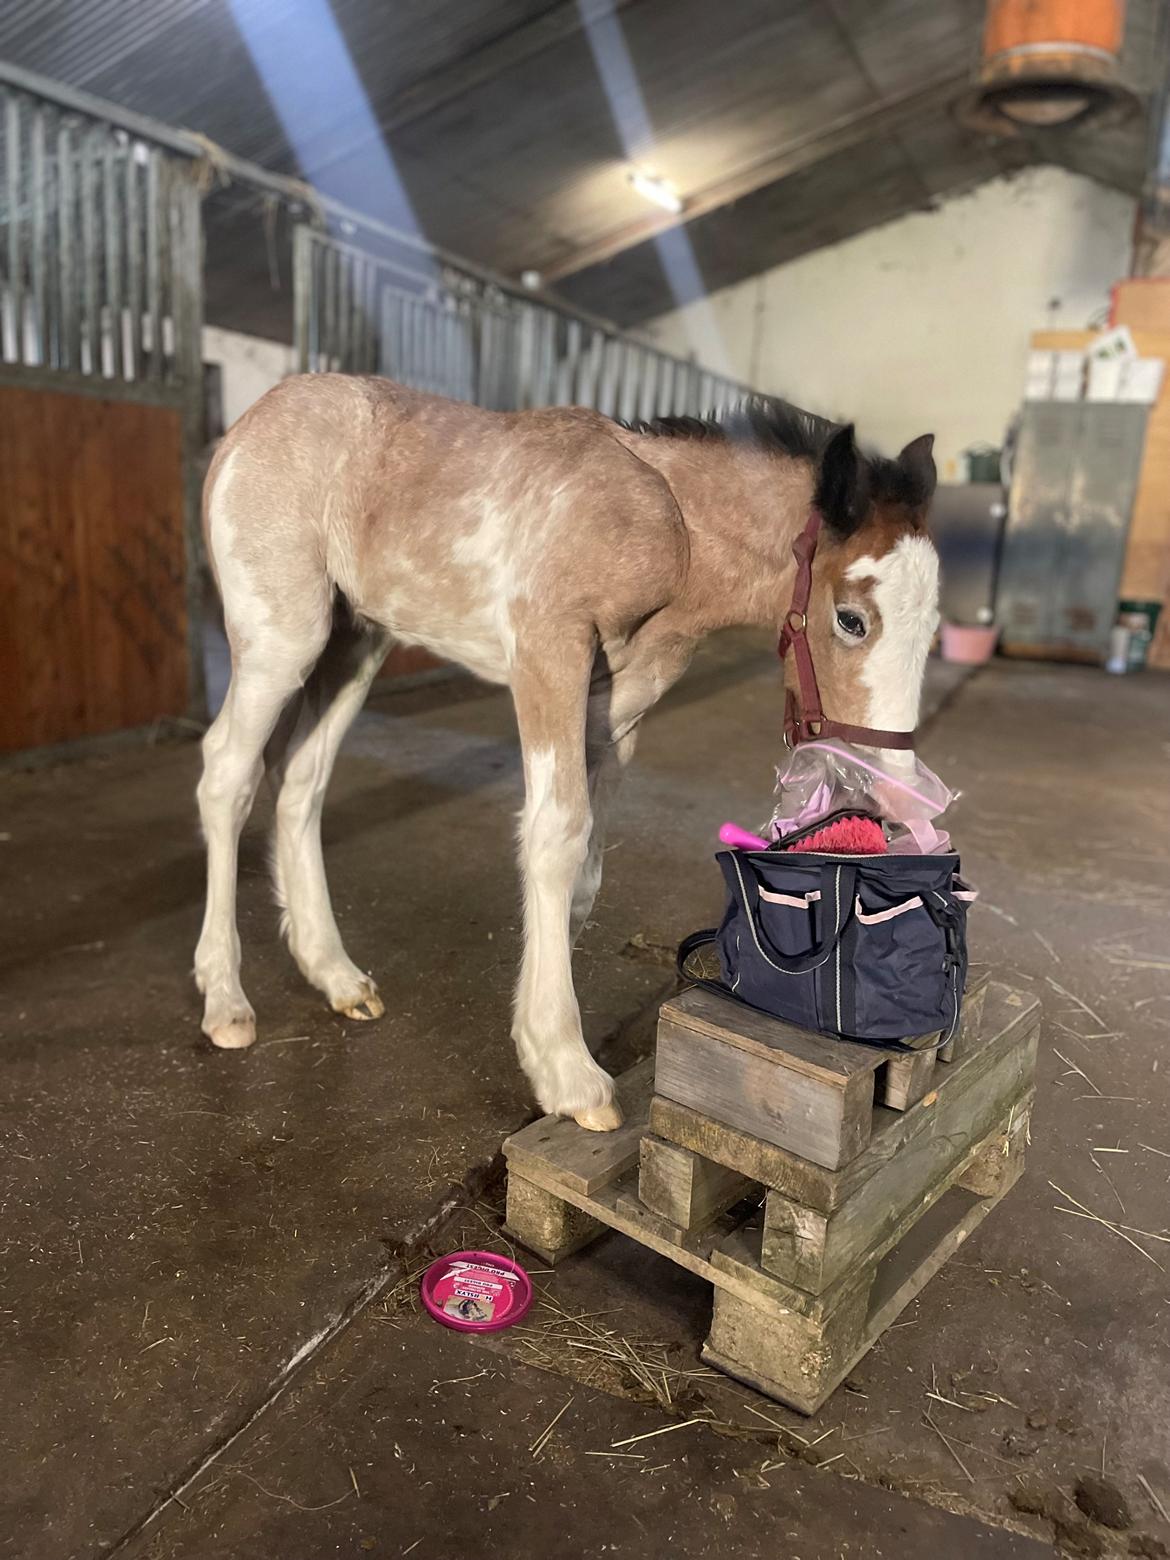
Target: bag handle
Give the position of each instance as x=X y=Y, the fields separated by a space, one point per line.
x=710 y=935
x=838 y=890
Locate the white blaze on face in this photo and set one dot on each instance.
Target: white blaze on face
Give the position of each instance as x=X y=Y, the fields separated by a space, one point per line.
x=905 y=592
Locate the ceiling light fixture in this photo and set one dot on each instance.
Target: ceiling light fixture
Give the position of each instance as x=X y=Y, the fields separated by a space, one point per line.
x=652 y=188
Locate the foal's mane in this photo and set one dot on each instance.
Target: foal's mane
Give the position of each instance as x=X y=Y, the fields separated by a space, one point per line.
x=764 y=421
x=767 y=423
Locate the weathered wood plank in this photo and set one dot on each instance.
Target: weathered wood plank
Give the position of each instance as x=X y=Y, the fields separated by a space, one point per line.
x=685 y=1188
x=822 y=1116
x=1009 y=1019
x=707 y=1013
x=581 y=1160
x=751 y=1348
x=814 y=1250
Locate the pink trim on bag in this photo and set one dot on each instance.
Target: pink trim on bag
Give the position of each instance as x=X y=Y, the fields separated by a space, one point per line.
x=797 y=901
x=871 y=918
x=969 y=895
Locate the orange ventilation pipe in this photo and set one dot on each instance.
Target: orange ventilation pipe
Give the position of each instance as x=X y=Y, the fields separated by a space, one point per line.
x=1048 y=64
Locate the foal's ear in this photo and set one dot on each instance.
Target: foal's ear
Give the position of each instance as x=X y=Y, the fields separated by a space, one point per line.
x=917 y=460
x=840 y=489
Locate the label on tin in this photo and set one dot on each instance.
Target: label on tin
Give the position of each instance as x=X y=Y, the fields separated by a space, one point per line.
x=475 y=1292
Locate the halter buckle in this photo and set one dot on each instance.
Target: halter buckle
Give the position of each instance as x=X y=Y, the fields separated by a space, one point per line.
x=796 y=622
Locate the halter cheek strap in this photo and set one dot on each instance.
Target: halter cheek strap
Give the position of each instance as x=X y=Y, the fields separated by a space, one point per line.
x=808 y=721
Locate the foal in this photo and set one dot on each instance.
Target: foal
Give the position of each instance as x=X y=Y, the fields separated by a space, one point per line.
x=578 y=561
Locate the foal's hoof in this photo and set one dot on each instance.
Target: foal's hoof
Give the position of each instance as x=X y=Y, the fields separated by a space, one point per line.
x=235 y=1034
x=600 y=1118
x=364 y=1005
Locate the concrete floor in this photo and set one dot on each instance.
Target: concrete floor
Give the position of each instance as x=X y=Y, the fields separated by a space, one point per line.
x=202 y=1253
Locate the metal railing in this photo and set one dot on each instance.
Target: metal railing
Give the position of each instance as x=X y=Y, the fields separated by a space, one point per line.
x=99 y=258
x=99 y=246
x=452 y=334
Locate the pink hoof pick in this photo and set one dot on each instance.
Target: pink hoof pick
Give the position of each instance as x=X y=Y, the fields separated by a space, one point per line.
x=739 y=839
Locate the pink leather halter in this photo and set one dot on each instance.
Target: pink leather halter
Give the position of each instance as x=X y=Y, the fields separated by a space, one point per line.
x=810 y=721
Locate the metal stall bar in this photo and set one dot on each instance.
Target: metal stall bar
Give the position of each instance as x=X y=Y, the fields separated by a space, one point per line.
x=112 y=224
x=91 y=323
x=39 y=251
x=153 y=236
x=134 y=256
x=14 y=164
x=69 y=354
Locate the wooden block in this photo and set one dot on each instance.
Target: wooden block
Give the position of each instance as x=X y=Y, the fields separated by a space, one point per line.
x=971 y=1019
x=800 y=1361
x=967 y=1129
x=1011 y=1023
x=545 y=1223
x=685 y=1188
x=737 y=1256
x=783 y=1085
x=581 y=1159
x=905 y=1079
x=748 y=1347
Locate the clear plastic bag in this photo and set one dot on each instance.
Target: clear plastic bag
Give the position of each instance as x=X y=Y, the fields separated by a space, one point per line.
x=820 y=777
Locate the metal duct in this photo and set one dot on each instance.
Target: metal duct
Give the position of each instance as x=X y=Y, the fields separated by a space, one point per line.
x=1048 y=65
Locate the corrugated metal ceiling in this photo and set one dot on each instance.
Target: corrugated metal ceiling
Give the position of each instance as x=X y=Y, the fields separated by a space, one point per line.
x=509 y=147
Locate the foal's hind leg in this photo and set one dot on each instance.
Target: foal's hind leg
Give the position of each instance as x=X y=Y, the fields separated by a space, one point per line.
x=266 y=672
x=617 y=701
x=300 y=763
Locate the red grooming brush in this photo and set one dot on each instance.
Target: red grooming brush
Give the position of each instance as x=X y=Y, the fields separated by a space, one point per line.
x=844 y=833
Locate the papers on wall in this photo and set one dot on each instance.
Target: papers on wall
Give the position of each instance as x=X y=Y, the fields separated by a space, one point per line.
x=1110 y=370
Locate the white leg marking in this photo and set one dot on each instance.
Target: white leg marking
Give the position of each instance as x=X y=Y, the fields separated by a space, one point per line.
x=268 y=667
x=232 y=765
x=547 y=1030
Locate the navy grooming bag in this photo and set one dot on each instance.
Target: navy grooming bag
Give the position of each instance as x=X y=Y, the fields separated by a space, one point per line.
x=870 y=948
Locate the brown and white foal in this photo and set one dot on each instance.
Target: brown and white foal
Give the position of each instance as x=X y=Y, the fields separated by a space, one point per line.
x=574 y=559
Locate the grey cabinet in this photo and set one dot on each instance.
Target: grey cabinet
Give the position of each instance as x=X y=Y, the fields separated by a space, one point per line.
x=1073 y=485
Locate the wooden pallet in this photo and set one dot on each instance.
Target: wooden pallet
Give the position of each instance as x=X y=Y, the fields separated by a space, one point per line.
x=811 y=1264
x=788 y=1086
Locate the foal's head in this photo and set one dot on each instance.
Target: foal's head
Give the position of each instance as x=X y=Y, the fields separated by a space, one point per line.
x=874 y=603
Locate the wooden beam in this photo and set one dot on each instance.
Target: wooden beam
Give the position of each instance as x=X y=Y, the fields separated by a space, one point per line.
x=876 y=119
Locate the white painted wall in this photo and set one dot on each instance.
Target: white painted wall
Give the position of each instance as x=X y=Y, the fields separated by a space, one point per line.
x=250 y=366
x=922 y=325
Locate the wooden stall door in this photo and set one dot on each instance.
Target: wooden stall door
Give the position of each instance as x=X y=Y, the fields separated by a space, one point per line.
x=93 y=612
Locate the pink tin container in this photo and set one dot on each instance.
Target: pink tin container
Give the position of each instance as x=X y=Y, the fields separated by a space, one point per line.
x=476 y=1291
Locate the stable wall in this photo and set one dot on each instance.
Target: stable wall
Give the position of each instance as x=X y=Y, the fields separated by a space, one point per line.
x=249 y=364
x=923 y=325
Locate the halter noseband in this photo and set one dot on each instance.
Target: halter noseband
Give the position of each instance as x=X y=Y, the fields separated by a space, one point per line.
x=811 y=722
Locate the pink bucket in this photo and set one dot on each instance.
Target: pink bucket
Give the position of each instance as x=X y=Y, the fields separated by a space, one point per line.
x=968 y=645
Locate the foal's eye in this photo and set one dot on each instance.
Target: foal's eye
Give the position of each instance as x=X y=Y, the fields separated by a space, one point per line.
x=851 y=623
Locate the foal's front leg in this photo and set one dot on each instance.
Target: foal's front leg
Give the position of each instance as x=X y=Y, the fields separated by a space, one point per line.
x=550 y=691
